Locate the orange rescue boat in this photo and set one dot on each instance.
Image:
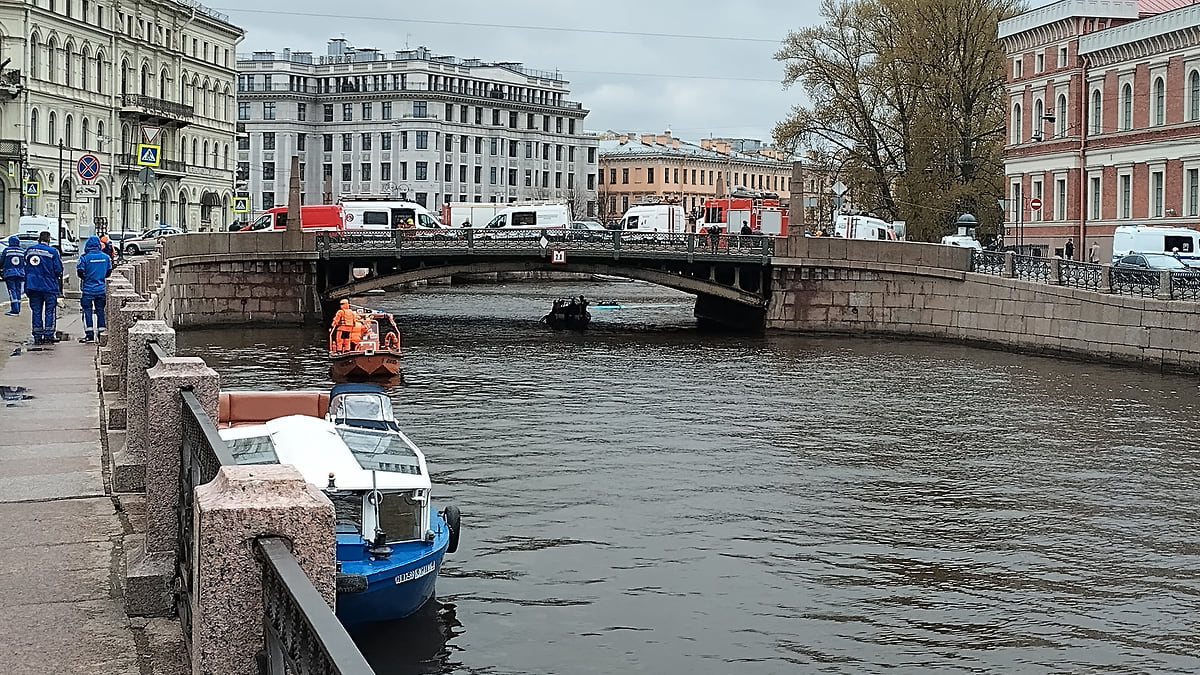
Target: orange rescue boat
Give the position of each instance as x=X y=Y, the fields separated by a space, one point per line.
x=363 y=344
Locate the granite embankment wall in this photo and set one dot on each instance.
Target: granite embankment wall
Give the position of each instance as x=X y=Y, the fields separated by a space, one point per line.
x=927 y=291
x=233 y=278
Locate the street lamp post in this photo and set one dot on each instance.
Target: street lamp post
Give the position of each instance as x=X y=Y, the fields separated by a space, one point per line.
x=58 y=239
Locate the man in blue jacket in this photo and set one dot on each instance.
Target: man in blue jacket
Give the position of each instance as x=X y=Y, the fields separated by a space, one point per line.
x=93 y=268
x=14 y=273
x=43 y=279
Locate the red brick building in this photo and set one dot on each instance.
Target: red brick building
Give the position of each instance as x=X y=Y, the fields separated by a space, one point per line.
x=1103 y=120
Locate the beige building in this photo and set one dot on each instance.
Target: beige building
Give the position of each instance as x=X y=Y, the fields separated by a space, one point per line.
x=98 y=78
x=646 y=168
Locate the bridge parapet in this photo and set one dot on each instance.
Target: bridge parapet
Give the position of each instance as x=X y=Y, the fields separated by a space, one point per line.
x=908 y=253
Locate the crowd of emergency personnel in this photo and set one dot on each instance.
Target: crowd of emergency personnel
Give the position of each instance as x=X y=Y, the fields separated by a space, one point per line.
x=37 y=274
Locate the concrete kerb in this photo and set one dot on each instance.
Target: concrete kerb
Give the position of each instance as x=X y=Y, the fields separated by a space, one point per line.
x=129 y=463
x=240 y=505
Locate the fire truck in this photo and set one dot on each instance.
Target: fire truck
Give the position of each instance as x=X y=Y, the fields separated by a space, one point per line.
x=764 y=215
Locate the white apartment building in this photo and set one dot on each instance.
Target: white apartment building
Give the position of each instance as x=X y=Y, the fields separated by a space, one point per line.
x=82 y=77
x=432 y=129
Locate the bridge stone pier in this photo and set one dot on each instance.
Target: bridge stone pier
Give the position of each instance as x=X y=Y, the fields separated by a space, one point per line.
x=825 y=285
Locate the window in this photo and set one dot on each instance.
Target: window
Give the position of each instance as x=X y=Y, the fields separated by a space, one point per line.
x=1096 y=101
x=492 y=175
x=1193 y=192
x=1156 y=194
x=243 y=141
x=545 y=151
x=385 y=110
x=385 y=171
x=625 y=176
x=301 y=111
x=478 y=115
x=403 y=170
x=492 y=143
x=268 y=110
x=268 y=200
x=403 y=140
x=558 y=179
x=328 y=108
x=1060 y=199
x=571 y=127
x=1126 y=183
x=243 y=111
x=1126 y=107
x=479 y=174
x=347 y=142
x=420 y=108
x=591 y=181
x=495 y=117
x=326 y=171
x=650 y=174
x=366 y=111
x=1039 y=62
x=512 y=148
x=479 y=145
x=528 y=178
x=1015 y=134
x=347 y=112
x=1017 y=62
x=385 y=141
x=269 y=140
x=301 y=141
x=612 y=176
x=243 y=171
x=268 y=171
x=592 y=157
x=450 y=112
x=422 y=170
x=512 y=176
x=1160 y=102
x=462 y=173
x=512 y=120
x=529 y=121
x=327 y=142
x=558 y=153
x=1062 y=57
x=365 y=171
x=421 y=198
x=1194 y=96
x=462 y=144
x=1060 y=120
x=366 y=141
x=1095 y=181
x=347 y=171
x=422 y=140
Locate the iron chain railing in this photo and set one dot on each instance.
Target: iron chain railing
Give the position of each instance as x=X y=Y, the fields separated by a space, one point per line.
x=988 y=262
x=1080 y=274
x=302 y=634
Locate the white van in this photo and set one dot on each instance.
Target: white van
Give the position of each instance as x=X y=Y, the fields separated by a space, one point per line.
x=654 y=218
x=35 y=225
x=386 y=215
x=1157 y=239
x=865 y=227
x=532 y=218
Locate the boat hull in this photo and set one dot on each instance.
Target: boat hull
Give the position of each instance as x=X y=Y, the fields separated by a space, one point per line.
x=362 y=366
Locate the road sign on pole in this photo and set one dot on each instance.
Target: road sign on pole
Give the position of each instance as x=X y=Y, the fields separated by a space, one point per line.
x=32 y=188
x=241 y=204
x=88 y=167
x=150 y=134
x=147 y=154
x=839 y=188
x=1035 y=203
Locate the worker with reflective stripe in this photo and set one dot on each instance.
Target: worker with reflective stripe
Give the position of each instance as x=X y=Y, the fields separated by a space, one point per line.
x=343 y=324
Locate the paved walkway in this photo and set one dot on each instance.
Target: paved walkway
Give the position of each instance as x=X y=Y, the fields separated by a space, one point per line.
x=61 y=560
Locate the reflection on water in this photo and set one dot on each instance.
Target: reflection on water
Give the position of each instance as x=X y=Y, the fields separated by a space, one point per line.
x=646 y=498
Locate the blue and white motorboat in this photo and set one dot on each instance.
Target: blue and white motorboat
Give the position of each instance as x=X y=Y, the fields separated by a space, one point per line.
x=390 y=541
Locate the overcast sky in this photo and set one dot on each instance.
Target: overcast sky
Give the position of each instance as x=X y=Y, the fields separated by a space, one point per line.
x=699 y=69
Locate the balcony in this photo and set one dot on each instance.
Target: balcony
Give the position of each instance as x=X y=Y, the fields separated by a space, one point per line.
x=129 y=163
x=163 y=111
x=11 y=150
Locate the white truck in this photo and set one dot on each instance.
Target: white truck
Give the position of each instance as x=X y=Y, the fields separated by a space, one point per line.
x=374 y=214
x=1180 y=241
x=654 y=218
x=534 y=218
x=850 y=226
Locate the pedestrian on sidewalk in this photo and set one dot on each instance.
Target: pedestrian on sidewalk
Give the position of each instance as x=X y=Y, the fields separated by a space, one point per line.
x=43 y=285
x=93 y=269
x=1069 y=248
x=14 y=273
x=1094 y=253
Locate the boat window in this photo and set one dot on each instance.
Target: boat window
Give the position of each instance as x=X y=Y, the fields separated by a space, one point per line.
x=400 y=517
x=347 y=510
x=374 y=218
x=253 y=450
x=381 y=451
x=360 y=407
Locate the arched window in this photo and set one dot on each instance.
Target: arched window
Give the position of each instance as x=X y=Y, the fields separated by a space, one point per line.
x=68 y=57
x=51 y=129
x=100 y=133
x=145 y=81
x=33 y=126
x=99 y=72
x=85 y=72
x=1096 y=101
x=1194 y=96
x=183 y=149
x=35 y=59
x=68 y=135
x=52 y=60
x=1160 y=101
x=84 y=141
x=195 y=145
x=124 y=77
x=1127 y=107
x=162 y=84
x=1060 y=120
x=1016 y=124
x=204 y=157
x=1038 y=122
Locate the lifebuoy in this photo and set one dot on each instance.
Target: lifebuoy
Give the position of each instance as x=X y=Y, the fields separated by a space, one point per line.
x=391 y=342
x=453 y=523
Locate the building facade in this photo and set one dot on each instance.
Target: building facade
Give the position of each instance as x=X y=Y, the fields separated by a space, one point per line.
x=97 y=78
x=648 y=168
x=432 y=129
x=1103 y=120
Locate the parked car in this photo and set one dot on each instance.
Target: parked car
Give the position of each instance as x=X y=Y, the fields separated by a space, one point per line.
x=146 y=241
x=587 y=230
x=1150 y=261
x=27 y=239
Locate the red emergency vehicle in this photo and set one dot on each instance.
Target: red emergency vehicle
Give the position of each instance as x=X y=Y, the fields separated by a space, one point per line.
x=763 y=215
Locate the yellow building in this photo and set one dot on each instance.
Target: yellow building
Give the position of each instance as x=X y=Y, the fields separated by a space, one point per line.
x=649 y=168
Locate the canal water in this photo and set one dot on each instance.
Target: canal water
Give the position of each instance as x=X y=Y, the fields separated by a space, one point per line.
x=647 y=498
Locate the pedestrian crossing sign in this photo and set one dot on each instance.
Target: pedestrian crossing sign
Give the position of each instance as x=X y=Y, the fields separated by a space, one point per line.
x=148 y=154
x=32 y=188
x=241 y=204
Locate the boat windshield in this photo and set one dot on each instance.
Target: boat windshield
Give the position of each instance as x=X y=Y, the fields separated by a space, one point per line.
x=347 y=510
x=253 y=450
x=372 y=410
x=380 y=451
x=400 y=517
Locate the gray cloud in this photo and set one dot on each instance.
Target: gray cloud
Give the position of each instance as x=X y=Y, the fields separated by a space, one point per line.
x=729 y=86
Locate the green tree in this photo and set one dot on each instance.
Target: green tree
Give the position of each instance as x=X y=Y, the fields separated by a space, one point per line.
x=908 y=97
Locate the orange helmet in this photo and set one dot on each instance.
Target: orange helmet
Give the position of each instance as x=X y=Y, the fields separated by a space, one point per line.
x=345 y=303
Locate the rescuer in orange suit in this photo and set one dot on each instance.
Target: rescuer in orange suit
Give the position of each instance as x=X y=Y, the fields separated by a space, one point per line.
x=356 y=332
x=343 y=325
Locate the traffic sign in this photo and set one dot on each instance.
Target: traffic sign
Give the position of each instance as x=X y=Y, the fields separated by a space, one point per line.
x=147 y=154
x=1035 y=203
x=87 y=191
x=558 y=256
x=839 y=188
x=32 y=188
x=88 y=167
x=241 y=204
x=12 y=169
x=150 y=134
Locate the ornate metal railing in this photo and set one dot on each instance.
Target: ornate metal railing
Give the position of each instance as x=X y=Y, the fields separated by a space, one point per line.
x=157 y=106
x=1080 y=275
x=988 y=262
x=1134 y=282
x=1031 y=267
x=539 y=242
x=302 y=634
x=1185 y=286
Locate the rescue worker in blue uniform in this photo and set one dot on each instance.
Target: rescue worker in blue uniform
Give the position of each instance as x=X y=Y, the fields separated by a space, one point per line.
x=43 y=285
x=93 y=268
x=14 y=273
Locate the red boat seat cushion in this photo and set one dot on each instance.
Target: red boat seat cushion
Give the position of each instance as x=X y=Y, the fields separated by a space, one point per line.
x=240 y=408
